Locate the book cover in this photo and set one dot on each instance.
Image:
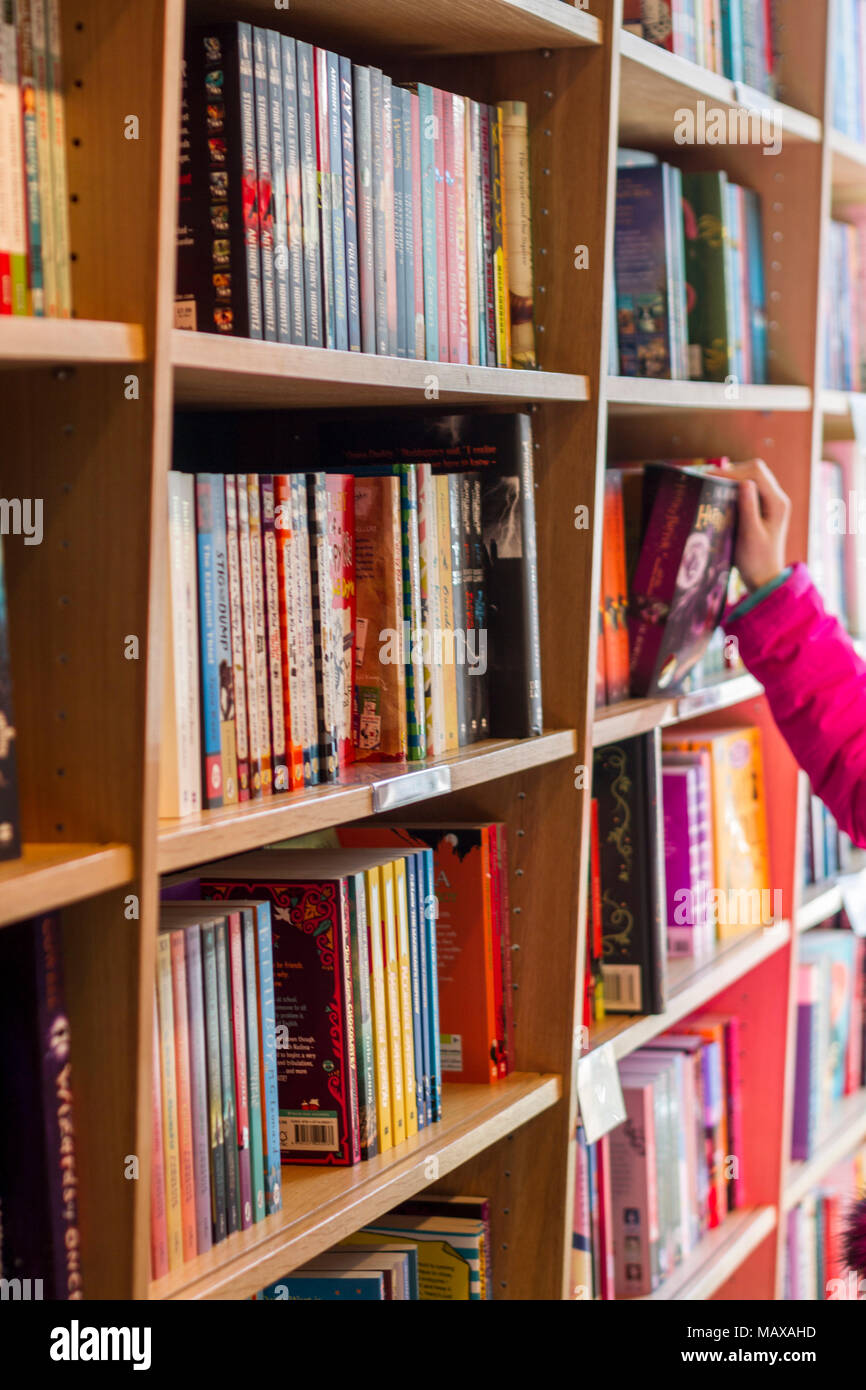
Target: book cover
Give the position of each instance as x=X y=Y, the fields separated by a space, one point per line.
x=350 y=205
x=644 y=293
x=279 y=180
x=518 y=213
x=364 y=189
x=380 y=715
x=708 y=273
x=294 y=214
x=210 y=648
x=264 y=182
x=338 y=225
x=634 y=1193
x=312 y=241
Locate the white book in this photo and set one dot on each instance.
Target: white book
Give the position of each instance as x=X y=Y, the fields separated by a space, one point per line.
x=13 y=222
x=179 y=771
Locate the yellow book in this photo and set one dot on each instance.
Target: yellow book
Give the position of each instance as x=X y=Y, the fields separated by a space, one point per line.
x=392 y=998
x=446 y=609
x=401 y=905
x=518 y=233
x=171 y=1147
x=384 y=1123
x=502 y=307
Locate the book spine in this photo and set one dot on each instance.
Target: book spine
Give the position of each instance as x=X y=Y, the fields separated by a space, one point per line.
x=249 y=625
x=444 y=244
x=419 y=992
x=176 y=753
x=260 y=633
x=391 y=284
x=190 y=641
x=404 y=985
x=222 y=613
x=364 y=187
x=250 y=1010
x=169 y=1102
x=315 y=329
x=210 y=732
x=459 y=601
x=431 y=611
x=501 y=839
x=488 y=293
x=27 y=97
x=184 y=1096
x=227 y=1078
x=412 y=612
x=417 y=202
x=378 y=1005
x=478 y=670
x=268 y=1058
x=460 y=338
x=341 y=546
x=198 y=1088
x=216 y=1132
x=379 y=217
x=350 y=205
x=304 y=601
x=233 y=554
x=399 y=218
x=280 y=235
x=501 y=309
x=158 y=1227
x=361 y=1002
x=273 y=636
x=410 y=215
x=59 y=177
x=429 y=177
x=294 y=201
x=530 y=578
x=431 y=916
x=326 y=708
x=324 y=192
x=471 y=688
x=496 y=945
x=288 y=629
x=519 y=218
x=392 y=1000
x=13 y=204
x=338 y=226
x=446 y=610
x=474 y=228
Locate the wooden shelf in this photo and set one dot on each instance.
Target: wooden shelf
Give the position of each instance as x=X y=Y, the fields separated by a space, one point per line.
x=648 y=395
x=820 y=900
x=321 y=1206
x=436 y=27
x=233 y=829
x=719 y=1255
x=35 y=342
x=232 y=372
x=49 y=876
x=632 y=717
x=690 y=985
x=847 y=168
x=654 y=84
x=846 y=1130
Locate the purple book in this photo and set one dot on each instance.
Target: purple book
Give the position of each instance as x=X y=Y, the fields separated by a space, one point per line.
x=198 y=1088
x=642 y=266
x=807 y=1080
x=39 y=1239
x=682 y=858
x=680 y=582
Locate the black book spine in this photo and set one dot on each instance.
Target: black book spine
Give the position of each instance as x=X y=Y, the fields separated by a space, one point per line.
x=264 y=182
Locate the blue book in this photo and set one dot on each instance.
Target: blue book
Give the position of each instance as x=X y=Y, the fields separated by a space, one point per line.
x=212 y=777
x=294 y=215
x=428 y=220
x=346 y=1286
x=350 y=206
x=258 y=1171
x=732 y=39
x=379 y=221
x=757 y=287
x=429 y=916
x=338 y=226
x=644 y=292
x=270 y=1101
x=419 y=1002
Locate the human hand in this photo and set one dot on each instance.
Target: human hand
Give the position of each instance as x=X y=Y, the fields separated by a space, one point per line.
x=765 y=511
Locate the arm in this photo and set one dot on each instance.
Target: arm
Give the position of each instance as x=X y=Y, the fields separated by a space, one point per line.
x=814 y=680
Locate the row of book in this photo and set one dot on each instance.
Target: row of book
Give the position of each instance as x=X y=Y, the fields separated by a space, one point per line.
x=647 y=1192
x=826 y=850
x=431 y=1247
x=829 y=1061
x=383 y=607
x=338 y=981
x=10 y=824
x=816 y=1268
x=734 y=38
x=679 y=859
x=322 y=203
x=689 y=274
x=667 y=575
x=848 y=47
x=34 y=199
x=844 y=304
x=40 y=1239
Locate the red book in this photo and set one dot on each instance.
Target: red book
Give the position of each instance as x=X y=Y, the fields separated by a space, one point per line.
x=612 y=575
x=242 y=1095
x=273 y=636
x=284 y=532
x=158 y=1227
x=501 y=840
x=341 y=535
x=184 y=1100
x=440 y=165
x=497 y=926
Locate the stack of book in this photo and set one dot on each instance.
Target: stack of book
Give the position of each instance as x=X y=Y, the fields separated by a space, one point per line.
x=831 y=980
x=381 y=608
x=848 y=46
x=10 y=823
x=734 y=38
x=648 y=1192
x=815 y=1267
x=432 y=1247
x=679 y=859
x=40 y=1242
x=321 y=203
x=844 y=349
x=666 y=578
x=34 y=198
x=689 y=274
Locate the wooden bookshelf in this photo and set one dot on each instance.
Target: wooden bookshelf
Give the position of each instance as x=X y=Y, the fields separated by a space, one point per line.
x=89 y=718
x=322 y=1205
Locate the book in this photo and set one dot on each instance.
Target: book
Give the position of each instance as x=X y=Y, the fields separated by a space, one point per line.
x=264 y=186
x=518 y=213
x=296 y=252
x=10 y=834
x=315 y=304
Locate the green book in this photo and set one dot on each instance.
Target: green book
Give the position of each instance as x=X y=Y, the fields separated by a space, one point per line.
x=708 y=273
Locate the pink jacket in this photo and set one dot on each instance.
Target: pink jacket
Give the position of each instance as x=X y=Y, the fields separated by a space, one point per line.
x=816 y=687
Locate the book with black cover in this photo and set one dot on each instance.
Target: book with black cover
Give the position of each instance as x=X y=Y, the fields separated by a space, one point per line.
x=626 y=787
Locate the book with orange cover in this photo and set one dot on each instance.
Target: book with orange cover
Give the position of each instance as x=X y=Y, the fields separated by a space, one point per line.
x=612 y=573
x=380 y=718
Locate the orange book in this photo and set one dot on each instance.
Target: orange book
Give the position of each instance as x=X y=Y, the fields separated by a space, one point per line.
x=464 y=938
x=381 y=729
x=184 y=1099
x=600 y=671
x=620 y=589
x=612 y=568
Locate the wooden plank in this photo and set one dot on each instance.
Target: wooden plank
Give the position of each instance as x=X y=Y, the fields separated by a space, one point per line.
x=436 y=27
x=50 y=876
x=719 y=1255
x=230 y=830
x=631 y=717
x=322 y=1205
x=231 y=372
x=643 y=394
x=31 y=342
x=846 y=1130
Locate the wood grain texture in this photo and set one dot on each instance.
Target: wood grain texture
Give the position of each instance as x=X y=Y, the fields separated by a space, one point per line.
x=47 y=876
x=55 y=342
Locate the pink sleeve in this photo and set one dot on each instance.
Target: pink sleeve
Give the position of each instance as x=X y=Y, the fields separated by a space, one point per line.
x=816 y=687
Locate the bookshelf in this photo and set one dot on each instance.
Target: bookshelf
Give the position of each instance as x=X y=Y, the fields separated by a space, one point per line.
x=88 y=406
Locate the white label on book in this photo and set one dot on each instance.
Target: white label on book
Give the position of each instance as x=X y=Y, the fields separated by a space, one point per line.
x=599 y=1092
x=451 y=1051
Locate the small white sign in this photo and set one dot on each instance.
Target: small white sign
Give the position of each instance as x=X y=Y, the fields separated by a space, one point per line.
x=599 y=1092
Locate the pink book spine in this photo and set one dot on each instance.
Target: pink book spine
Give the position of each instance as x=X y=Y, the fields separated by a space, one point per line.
x=158 y=1226
x=239 y=1035
x=635 y=1198
x=441 y=221
x=184 y=1102
x=607 y=1270
x=418 y=269
x=734 y=1078
x=460 y=347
